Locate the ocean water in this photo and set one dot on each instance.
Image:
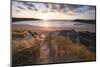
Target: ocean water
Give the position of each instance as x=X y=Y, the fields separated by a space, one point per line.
x=60 y=24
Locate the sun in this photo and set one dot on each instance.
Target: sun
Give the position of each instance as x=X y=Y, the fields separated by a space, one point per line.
x=43 y=16
x=46 y=24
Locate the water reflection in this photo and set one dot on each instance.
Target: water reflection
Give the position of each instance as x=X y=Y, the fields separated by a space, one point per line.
x=60 y=24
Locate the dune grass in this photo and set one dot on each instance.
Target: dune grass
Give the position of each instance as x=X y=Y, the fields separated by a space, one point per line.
x=30 y=51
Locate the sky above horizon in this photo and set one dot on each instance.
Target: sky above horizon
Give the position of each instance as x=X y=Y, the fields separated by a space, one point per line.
x=29 y=9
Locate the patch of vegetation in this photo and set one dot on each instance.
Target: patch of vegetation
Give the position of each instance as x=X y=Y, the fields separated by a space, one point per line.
x=51 y=49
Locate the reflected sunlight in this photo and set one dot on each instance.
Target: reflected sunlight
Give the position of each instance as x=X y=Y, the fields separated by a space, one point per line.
x=46 y=24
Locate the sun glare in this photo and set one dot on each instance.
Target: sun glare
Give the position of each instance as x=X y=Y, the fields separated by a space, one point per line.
x=46 y=23
x=44 y=16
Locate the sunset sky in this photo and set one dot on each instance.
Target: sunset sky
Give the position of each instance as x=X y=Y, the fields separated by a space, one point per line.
x=26 y=9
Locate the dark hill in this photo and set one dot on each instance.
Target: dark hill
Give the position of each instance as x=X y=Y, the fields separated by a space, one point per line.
x=85 y=21
x=23 y=19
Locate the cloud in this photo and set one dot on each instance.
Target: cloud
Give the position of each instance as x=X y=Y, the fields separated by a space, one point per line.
x=23 y=5
x=20 y=7
x=84 y=11
x=28 y=4
x=70 y=13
